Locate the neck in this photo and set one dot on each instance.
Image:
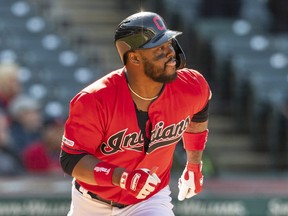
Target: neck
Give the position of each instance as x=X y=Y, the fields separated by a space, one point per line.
x=141 y=97
x=141 y=86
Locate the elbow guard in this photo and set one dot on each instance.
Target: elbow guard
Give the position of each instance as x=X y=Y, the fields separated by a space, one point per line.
x=203 y=115
x=69 y=161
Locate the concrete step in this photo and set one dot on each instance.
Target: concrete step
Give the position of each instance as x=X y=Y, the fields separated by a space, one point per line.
x=224 y=135
x=228 y=142
x=243 y=161
x=232 y=149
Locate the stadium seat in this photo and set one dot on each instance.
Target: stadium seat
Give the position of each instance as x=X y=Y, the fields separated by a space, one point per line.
x=7 y=54
x=188 y=16
x=232 y=61
x=224 y=47
x=256 y=12
x=202 y=33
x=217 y=35
x=15 y=9
x=260 y=85
x=241 y=64
x=277 y=133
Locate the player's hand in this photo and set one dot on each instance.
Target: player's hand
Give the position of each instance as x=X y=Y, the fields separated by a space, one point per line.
x=190 y=182
x=140 y=183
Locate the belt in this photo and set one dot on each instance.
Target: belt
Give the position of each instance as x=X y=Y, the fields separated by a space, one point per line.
x=96 y=197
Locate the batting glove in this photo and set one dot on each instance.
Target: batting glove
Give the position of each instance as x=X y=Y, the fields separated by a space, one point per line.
x=140 y=183
x=190 y=182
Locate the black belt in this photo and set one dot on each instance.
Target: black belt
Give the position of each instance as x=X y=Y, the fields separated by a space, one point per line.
x=95 y=196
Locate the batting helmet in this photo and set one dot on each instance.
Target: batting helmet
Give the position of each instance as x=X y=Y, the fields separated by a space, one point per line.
x=146 y=30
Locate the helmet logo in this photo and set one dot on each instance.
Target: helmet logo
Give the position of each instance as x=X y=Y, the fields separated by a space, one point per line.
x=158 y=22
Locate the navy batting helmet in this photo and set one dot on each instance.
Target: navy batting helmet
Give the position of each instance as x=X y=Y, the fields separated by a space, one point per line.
x=146 y=30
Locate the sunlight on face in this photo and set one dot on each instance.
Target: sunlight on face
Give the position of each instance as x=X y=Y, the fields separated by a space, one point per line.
x=159 y=62
x=158 y=73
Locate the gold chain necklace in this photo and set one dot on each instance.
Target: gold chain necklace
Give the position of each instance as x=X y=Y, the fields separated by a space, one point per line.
x=143 y=98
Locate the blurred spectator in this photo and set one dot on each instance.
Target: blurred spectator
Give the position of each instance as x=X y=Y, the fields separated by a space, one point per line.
x=10 y=85
x=279 y=11
x=10 y=163
x=26 y=121
x=43 y=155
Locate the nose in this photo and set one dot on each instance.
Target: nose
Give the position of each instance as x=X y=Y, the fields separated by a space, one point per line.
x=171 y=51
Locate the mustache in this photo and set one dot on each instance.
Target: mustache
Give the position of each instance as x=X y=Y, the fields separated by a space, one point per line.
x=171 y=59
x=161 y=56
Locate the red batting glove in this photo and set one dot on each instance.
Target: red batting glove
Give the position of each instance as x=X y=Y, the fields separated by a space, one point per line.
x=140 y=183
x=190 y=182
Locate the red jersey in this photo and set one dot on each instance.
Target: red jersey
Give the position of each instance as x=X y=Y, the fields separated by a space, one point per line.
x=103 y=122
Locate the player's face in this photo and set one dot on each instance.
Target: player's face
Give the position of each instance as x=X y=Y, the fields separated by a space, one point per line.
x=159 y=63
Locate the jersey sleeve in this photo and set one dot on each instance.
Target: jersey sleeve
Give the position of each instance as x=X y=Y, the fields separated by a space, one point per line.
x=204 y=90
x=83 y=131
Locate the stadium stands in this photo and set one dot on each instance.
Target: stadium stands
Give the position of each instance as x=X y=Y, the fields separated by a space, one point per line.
x=262 y=85
x=48 y=61
x=246 y=64
x=249 y=72
x=61 y=51
x=239 y=45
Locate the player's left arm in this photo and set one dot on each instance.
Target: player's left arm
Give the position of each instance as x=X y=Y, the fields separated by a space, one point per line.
x=194 y=140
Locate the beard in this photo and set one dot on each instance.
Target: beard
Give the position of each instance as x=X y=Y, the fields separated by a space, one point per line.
x=158 y=74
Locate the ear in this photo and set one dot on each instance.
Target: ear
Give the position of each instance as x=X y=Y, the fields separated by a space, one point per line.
x=133 y=58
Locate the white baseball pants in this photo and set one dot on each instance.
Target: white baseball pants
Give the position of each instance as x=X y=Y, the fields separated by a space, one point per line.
x=159 y=204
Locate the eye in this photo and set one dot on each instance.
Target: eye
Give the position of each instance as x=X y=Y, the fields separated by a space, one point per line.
x=161 y=48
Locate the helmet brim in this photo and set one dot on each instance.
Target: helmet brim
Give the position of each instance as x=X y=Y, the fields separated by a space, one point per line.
x=157 y=41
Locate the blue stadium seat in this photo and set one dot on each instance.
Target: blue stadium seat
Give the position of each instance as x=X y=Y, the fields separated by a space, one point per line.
x=261 y=84
x=15 y=9
x=241 y=64
x=256 y=12
x=224 y=47
x=186 y=14
x=51 y=70
x=216 y=39
x=7 y=54
x=277 y=133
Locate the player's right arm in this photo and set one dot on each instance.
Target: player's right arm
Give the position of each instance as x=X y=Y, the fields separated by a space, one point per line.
x=89 y=169
x=81 y=167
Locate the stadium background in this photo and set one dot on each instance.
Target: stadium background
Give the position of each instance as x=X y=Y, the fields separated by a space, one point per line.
x=240 y=46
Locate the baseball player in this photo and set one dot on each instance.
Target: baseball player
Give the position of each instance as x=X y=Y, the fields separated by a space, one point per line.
x=122 y=130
